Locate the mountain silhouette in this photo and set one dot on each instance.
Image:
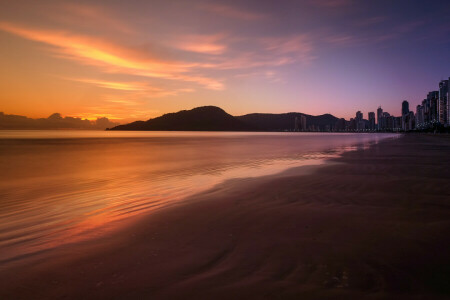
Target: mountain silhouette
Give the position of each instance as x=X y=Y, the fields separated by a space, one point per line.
x=212 y=118
x=205 y=118
x=286 y=121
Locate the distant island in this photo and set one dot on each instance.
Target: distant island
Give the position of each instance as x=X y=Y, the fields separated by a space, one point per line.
x=212 y=118
x=55 y=121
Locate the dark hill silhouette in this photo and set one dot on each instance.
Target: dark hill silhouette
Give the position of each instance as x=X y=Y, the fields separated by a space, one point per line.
x=205 y=118
x=286 y=121
x=212 y=118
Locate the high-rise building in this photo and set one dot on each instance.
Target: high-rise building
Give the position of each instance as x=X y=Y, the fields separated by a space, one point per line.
x=448 y=103
x=432 y=99
x=442 y=102
x=352 y=124
x=300 y=123
x=405 y=113
x=398 y=123
x=371 y=118
x=411 y=121
x=360 y=125
x=408 y=121
x=340 y=125
x=303 y=123
x=387 y=121
x=405 y=107
x=379 y=117
x=420 y=116
x=426 y=111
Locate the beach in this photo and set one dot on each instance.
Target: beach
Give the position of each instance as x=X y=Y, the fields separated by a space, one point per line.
x=373 y=223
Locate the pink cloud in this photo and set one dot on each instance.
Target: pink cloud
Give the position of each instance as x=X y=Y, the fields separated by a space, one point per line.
x=205 y=44
x=298 y=47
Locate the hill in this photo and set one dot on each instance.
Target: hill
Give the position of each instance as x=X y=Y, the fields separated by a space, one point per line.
x=205 y=118
x=212 y=118
x=286 y=121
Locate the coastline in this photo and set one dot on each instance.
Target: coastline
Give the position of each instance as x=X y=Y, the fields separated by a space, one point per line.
x=372 y=223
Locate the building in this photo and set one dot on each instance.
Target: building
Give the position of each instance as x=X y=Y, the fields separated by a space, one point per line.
x=340 y=125
x=387 y=121
x=300 y=123
x=379 y=117
x=405 y=114
x=411 y=121
x=426 y=111
x=351 y=125
x=405 y=107
x=359 y=123
x=442 y=102
x=303 y=123
x=432 y=99
x=371 y=118
x=359 y=115
x=448 y=103
x=408 y=121
x=420 y=117
x=398 y=123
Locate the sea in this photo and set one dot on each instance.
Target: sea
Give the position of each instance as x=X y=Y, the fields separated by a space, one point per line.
x=65 y=186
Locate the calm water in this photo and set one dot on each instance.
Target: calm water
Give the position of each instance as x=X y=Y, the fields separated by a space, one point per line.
x=60 y=186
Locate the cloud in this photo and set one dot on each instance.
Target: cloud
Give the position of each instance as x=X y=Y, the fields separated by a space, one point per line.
x=112 y=57
x=91 y=15
x=295 y=48
x=269 y=75
x=122 y=86
x=233 y=12
x=145 y=89
x=343 y=40
x=205 y=44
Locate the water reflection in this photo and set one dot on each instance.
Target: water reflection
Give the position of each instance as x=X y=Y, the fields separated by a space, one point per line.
x=65 y=186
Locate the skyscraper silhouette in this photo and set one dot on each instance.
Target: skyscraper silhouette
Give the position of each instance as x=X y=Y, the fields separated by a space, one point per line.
x=405 y=107
x=379 y=117
x=443 y=102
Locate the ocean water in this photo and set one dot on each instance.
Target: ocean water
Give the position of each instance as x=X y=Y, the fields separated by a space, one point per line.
x=59 y=187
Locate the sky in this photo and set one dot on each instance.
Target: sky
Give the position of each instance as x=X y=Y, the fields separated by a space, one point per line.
x=136 y=59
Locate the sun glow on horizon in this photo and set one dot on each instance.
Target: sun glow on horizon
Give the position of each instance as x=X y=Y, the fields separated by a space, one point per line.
x=98 y=60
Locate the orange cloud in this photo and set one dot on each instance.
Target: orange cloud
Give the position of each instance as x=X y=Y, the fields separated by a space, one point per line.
x=111 y=57
x=122 y=86
x=145 y=89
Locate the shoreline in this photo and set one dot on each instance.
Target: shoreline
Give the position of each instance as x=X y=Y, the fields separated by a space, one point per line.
x=325 y=234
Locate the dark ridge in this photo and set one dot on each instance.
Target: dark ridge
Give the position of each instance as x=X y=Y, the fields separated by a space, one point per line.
x=205 y=118
x=212 y=118
x=270 y=122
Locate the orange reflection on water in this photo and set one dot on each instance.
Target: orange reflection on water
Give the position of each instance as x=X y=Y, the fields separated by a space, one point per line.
x=68 y=188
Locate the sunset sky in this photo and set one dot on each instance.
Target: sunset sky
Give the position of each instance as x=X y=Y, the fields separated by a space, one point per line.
x=130 y=60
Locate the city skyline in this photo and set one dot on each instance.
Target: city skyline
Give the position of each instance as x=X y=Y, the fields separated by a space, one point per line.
x=144 y=59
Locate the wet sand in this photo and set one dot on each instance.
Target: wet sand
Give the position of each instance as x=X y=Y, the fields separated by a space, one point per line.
x=375 y=223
